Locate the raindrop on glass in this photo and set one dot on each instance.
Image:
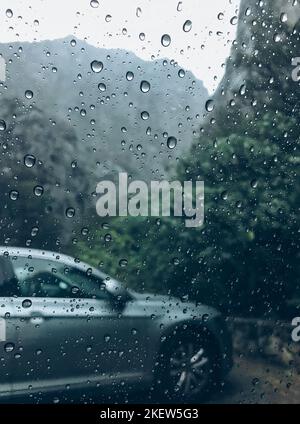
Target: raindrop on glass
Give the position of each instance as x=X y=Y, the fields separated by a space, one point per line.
x=145 y=115
x=145 y=86
x=2 y=125
x=181 y=73
x=171 y=142
x=9 y=13
x=283 y=17
x=96 y=66
x=129 y=76
x=209 y=105
x=254 y=183
x=9 y=347
x=26 y=303
x=14 y=194
x=123 y=263
x=187 y=26
x=94 y=3
x=29 y=161
x=102 y=86
x=38 y=190
x=165 y=40
x=28 y=94
x=70 y=212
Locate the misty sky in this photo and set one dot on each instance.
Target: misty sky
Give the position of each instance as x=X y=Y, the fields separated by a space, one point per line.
x=120 y=23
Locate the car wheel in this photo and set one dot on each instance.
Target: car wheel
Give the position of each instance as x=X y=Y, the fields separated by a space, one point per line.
x=187 y=369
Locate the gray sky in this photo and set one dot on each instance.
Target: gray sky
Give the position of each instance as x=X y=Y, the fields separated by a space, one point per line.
x=203 y=49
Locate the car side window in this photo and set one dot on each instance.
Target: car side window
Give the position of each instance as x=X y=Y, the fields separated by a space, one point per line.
x=47 y=278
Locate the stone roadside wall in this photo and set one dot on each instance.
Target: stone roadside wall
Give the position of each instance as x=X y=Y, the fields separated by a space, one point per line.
x=270 y=340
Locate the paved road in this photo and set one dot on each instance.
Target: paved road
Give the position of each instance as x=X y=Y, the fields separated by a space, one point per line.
x=260 y=382
x=250 y=381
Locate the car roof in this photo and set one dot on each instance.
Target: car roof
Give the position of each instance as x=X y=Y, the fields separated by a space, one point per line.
x=113 y=286
x=49 y=255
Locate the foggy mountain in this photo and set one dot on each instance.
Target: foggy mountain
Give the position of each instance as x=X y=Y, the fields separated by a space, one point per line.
x=119 y=123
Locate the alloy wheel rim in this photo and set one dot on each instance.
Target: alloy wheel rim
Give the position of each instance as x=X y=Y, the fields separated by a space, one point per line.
x=189 y=369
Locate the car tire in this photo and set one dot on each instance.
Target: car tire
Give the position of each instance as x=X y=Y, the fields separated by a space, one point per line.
x=187 y=368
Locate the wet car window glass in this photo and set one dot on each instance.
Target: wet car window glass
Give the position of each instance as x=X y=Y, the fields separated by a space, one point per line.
x=149 y=220
x=44 y=278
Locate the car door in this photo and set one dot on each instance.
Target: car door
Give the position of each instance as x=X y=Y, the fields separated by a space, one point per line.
x=64 y=340
x=8 y=326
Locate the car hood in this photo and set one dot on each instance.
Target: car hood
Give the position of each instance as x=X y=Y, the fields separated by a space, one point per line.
x=163 y=304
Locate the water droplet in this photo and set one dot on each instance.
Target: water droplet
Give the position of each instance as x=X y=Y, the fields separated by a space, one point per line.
x=220 y=16
x=75 y=290
x=34 y=231
x=224 y=195
x=209 y=105
x=14 y=194
x=73 y=43
x=107 y=338
x=107 y=237
x=243 y=90
x=2 y=125
x=70 y=212
x=181 y=73
x=108 y=18
x=283 y=17
x=187 y=26
x=171 y=142
x=145 y=115
x=129 y=76
x=9 y=13
x=96 y=66
x=145 y=86
x=234 y=20
x=28 y=94
x=9 y=347
x=176 y=261
x=123 y=263
x=94 y=3
x=277 y=38
x=254 y=183
x=102 y=86
x=38 y=190
x=138 y=12
x=166 y=40
x=29 y=161
x=179 y=6
x=142 y=36
x=26 y=303
x=84 y=231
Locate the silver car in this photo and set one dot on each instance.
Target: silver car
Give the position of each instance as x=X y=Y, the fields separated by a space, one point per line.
x=66 y=325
